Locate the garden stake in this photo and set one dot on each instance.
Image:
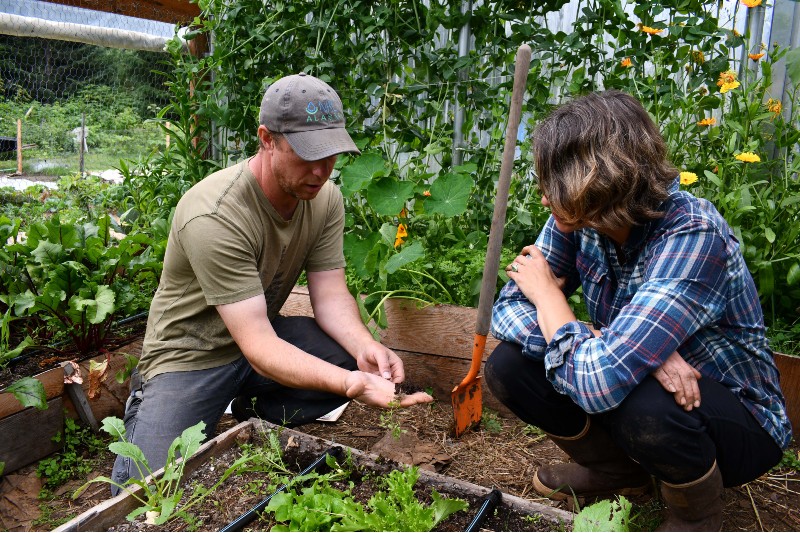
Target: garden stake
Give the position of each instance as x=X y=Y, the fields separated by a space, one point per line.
x=488 y=506
x=252 y=514
x=466 y=397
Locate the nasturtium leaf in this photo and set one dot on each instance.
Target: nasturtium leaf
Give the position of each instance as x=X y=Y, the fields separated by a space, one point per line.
x=449 y=195
x=388 y=233
x=407 y=255
x=388 y=196
x=30 y=392
x=357 y=175
x=361 y=253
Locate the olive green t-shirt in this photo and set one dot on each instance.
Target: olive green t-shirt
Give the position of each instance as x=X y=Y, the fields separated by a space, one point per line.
x=227 y=243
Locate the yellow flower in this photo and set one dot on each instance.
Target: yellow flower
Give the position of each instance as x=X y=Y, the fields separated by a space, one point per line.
x=728 y=86
x=698 y=56
x=651 y=31
x=401 y=235
x=774 y=106
x=687 y=178
x=707 y=121
x=751 y=3
x=426 y=193
x=728 y=76
x=755 y=57
x=748 y=157
x=625 y=63
x=736 y=33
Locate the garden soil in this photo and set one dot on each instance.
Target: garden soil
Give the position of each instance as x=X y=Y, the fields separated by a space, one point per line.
x=502 y=453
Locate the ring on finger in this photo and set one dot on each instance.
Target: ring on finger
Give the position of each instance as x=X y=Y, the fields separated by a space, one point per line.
x=514 y=267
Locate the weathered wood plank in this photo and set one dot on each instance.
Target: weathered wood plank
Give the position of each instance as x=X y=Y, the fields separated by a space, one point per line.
x=27 y=436
x=789 y=367
x=444 y=330
x=53 y=381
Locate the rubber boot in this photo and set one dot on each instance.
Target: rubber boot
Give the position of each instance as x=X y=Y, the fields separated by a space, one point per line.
x=694 y=506
x=601 y=469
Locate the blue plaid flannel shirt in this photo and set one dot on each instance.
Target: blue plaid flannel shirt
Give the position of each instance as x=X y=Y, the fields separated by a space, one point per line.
x=684 y=287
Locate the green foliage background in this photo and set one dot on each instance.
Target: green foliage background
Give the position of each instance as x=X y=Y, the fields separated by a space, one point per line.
x=397 y=68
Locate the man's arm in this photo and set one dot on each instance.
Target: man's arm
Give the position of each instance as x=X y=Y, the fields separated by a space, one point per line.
x=276 y=359
x=337 y=314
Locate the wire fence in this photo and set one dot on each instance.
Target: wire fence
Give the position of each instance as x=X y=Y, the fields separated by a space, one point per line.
x=80 y=87
x=73 y=77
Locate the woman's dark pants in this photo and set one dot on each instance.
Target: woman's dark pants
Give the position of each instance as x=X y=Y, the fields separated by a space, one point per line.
x=670 y=443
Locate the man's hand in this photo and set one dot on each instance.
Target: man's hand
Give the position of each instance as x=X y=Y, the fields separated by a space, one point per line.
x=680 y=378
x=379 y=392
x=375 y=358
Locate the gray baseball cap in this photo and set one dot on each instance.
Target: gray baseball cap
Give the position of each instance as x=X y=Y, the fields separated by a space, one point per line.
x=308 y=112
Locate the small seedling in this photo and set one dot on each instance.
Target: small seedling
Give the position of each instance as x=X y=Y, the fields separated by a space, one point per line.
x=388 y=419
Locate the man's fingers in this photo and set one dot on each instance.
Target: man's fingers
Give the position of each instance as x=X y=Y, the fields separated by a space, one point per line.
x=415 y=398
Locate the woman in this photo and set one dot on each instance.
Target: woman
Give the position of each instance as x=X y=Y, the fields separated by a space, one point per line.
x=674 y=379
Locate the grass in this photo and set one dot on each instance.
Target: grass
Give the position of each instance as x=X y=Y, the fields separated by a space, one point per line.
x=61 y=164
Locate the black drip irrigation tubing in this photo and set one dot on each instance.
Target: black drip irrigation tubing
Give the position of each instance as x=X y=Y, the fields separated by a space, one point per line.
x=252 y=514
x=120 y=322
x=488 y=506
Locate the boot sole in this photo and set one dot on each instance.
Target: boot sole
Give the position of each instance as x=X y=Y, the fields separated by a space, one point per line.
x=558 y=495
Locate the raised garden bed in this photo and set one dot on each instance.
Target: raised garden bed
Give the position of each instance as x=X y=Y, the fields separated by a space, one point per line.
x=26 y=433
x=512 y=513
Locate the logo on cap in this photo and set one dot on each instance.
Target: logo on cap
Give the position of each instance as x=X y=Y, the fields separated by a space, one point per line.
x=328 y=109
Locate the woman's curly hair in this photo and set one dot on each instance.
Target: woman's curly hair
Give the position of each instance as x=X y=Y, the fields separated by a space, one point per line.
x=602 y=162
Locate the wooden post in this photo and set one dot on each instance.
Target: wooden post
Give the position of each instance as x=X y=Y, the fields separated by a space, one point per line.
x=169 y=125
x=79 y=399
x=81 y=142
x=19 y=146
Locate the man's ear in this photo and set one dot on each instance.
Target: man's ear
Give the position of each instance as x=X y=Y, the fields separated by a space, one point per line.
x=264 y=137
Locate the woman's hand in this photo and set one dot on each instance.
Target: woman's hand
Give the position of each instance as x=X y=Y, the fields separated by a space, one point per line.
x=532 y=273
x=680 y=378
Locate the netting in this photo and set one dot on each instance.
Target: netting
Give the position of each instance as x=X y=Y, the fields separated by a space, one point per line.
x=63 y=67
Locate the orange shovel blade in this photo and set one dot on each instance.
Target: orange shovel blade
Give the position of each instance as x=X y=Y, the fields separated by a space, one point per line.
x=466 y=396
x=467 y=406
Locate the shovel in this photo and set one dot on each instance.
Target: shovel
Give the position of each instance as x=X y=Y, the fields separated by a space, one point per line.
x=466 y=397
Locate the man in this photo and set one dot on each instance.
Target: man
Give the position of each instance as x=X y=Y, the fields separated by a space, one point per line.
x=239 y=241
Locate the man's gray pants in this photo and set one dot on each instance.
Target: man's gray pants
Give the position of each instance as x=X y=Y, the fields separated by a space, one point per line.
x=159 y=409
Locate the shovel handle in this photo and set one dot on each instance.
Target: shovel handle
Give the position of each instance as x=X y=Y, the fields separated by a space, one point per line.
x=478 y=347
x=522 y=65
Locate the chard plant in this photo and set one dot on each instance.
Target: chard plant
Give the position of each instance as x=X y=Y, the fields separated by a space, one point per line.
x=77 y=280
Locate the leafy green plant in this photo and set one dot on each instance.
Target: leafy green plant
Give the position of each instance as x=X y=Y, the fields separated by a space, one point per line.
x=605 y=515
x=790 y=459
x=163 y=497
x=80 y=445
x=77 y=279
x=491 y=421
x=320 y=507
